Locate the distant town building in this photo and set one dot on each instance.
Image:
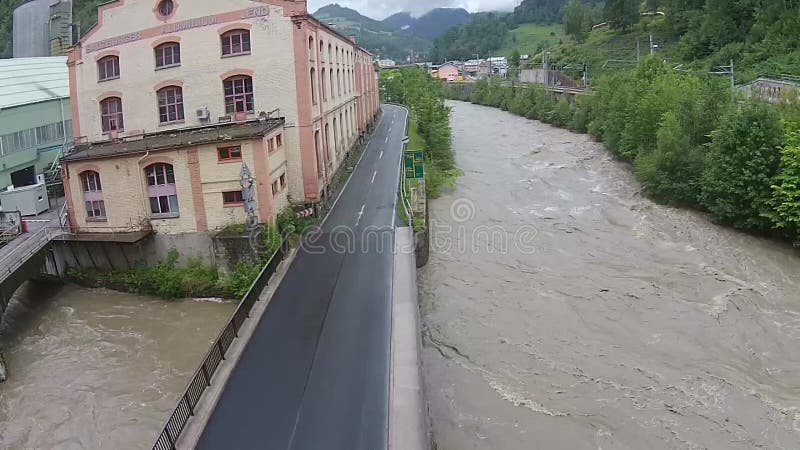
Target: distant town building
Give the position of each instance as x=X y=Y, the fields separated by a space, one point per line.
x=42 y=28
x=386 y=63
x=498 y=66
x=177 y=107
x=35 y=118
x=476 y=68
x=772 y=90
x=448 y=72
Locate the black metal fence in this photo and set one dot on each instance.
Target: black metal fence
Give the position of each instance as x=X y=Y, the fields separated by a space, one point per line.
x=205 y=374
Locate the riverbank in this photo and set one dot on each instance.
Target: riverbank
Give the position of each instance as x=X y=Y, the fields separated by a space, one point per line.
x=95 y=368
x=691 y=143
x=607 y=321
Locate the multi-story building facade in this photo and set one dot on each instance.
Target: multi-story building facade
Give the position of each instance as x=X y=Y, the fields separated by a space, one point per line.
x=171 y=99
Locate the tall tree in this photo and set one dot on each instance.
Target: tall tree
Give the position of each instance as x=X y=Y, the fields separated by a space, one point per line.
x=623 y=14
x=577 y=20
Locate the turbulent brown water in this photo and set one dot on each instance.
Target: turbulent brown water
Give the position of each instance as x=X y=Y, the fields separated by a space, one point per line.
x=621 y=324
x=97 y=369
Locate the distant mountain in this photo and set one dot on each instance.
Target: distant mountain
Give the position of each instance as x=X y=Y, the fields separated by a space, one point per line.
x=438 y=21
x=337 y=15
x=382 y=39
x=400 y=21
x=431 y=25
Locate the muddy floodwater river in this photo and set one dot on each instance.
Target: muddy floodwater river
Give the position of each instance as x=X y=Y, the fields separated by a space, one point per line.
x=97 y=369
x=576 y=314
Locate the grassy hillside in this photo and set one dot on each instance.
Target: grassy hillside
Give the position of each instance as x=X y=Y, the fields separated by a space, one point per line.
x=531 y=38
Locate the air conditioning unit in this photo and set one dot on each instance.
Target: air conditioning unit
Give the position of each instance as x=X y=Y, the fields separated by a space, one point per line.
x=203 y=114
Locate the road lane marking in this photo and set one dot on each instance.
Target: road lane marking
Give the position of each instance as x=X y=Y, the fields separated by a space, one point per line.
x=360 y=214
x=381 y=155
x=385 y=141
x=373 y=177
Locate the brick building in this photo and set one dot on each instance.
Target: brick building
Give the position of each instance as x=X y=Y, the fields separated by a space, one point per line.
x=171 y=98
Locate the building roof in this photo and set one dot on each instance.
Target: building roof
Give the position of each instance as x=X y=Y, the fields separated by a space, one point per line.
x=172 y=139
x=24 y=81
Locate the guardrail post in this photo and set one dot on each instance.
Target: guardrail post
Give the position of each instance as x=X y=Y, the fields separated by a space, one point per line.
x=219 y=346
x=169 y=438
x=205 y=374
x=188 y=403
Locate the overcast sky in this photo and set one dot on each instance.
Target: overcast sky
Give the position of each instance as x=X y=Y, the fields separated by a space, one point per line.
x=380 y=9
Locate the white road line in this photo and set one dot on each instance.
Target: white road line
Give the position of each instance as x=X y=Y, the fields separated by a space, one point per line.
x=373 y=177
x=381 y=155
x=386 y=140
x=360 y=213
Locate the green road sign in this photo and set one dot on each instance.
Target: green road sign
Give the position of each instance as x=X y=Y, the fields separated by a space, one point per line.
x=414 y=164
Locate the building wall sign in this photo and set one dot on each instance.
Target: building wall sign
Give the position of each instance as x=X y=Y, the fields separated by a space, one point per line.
x=250 y=13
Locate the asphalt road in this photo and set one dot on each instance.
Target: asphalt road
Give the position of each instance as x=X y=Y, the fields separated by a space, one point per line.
x=315 y=374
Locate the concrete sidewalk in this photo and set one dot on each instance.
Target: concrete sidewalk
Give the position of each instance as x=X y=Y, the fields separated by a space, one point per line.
x=408 y=413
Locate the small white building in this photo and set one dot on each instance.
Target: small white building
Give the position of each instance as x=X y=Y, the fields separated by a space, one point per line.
x=386 y=63
x=498 y=66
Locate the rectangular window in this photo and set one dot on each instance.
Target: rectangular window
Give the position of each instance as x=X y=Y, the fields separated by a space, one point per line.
x=279 y=140
x=226 y=154
x=275 y=190
x=164 y=204
x=283 y=181
x=271 y=145
x=232 y=198
x=95 y=209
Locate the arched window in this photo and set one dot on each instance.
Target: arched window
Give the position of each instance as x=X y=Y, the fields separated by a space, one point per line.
x=93 y=195
x=236 y=42
x=168 y=55
x=324 y=89
x=338 y=83
x=333 y=86
x=108 y=68
x=161 y=189
x=335 y=138
x=313 y=86
x=321 y=50
x=311 y=48
x=111 y=114
x=330 y=54
x=319 y=156
x=327 y=142
x=238 y=95
x=170 y=104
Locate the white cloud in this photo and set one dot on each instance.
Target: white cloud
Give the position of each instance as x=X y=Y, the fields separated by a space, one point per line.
x=383 y=8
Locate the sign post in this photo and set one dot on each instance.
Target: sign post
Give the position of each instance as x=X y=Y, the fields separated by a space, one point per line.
x=414 y=163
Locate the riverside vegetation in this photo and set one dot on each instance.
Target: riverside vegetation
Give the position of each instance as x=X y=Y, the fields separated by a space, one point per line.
x=429 y=123
x=690 y=143
x=169 y=280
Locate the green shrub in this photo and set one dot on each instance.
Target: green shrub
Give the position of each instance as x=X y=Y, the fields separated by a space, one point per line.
x=744 y=158
x=671 y=172
x=786 y=189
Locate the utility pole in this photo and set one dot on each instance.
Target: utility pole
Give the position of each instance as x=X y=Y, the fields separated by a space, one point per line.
x=638 y=53
x=728 y=70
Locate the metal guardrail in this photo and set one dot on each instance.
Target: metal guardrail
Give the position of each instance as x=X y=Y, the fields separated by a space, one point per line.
x=29 y=245
x=204 y=375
